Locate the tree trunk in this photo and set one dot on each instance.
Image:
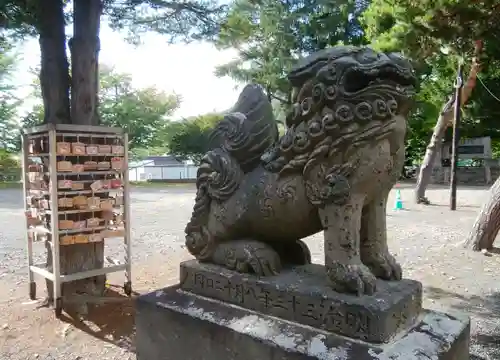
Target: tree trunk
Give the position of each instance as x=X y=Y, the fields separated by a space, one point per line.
x=485 y=229
x=84 y=48
x=55 y=84
x=445 y=119
x=431 y=152
x=54 y=73
x=54 y=80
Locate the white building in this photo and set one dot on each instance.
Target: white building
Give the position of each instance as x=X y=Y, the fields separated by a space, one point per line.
x=165 y=167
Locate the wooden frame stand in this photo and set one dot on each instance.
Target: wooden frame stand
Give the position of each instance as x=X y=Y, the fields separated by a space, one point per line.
x=76 y=190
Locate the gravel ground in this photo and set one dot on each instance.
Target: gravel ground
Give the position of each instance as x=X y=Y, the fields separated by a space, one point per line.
x=424 y=238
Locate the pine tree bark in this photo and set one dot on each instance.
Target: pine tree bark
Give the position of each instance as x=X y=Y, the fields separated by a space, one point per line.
x=443 y=122
x=431 y=152
x=487 y=224
x=55 y=83
x=84 y=47
x=54 y=73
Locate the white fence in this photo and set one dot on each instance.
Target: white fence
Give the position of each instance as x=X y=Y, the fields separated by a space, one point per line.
x=173 y=172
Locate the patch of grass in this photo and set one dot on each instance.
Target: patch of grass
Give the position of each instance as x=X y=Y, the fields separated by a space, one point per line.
x=10 y=185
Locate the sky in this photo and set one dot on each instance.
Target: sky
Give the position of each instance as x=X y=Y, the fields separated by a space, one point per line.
x=187 y=70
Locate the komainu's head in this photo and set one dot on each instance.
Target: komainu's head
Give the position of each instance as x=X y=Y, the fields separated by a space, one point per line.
x=344 y=96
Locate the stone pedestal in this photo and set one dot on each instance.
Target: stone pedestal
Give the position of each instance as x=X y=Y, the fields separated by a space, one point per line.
x=302 y=295
x=223 y=315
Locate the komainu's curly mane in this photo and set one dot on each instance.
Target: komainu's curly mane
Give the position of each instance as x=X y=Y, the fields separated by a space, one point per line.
x=326 y=121
x=346 y=97
x=235 y=148
x=248 y=129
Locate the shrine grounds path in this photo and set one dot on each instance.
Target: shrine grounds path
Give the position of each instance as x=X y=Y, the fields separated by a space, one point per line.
x=424 y=239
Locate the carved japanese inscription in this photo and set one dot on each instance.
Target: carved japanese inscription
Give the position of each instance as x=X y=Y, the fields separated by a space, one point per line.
x=305 y=303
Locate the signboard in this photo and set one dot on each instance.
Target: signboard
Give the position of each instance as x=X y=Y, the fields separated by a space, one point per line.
x=474 y=148
x=469 y=150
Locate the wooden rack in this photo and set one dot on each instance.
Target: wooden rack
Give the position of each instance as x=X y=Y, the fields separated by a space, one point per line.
x=76 y=190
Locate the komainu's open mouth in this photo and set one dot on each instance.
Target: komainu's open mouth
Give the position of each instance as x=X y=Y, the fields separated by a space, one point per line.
x=357 y=79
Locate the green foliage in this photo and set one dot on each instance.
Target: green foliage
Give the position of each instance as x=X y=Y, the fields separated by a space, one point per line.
x=9 y=127
x=34 y=117
x=421 y=28
x=436 y=35
x=10 y=167
x=483 y=111
x=139 y=153
x=495 y=149
x=143 y=113
x=184 y=20
x=271 y=35
x=188 y=138
x=7 y=162
x=178 y=20
x=435 y=87
x=17 y=19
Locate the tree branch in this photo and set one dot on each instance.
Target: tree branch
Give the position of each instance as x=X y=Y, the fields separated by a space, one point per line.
x=279 y=98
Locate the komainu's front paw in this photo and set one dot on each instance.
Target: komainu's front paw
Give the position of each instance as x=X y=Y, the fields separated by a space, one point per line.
x=352 y=278
x=383 y=265
x=248 y=256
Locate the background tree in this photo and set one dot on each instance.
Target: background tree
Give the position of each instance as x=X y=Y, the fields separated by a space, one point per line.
x=270 y=36
x=485 y=112
x=433 y=33
x=34 y=117
x=9 y=127
x=438 y=34
x=487 y=224
x=188 y=138
x=178 y=20
x=144 y=113
x=47 y=19
x=140 y=153
x=10 y=168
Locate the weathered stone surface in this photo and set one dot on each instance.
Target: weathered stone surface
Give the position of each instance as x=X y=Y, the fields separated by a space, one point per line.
x=258 y=194
x=302 y=294
x=175 y=325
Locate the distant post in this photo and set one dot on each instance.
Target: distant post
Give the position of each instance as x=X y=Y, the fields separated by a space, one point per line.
x=456 y=137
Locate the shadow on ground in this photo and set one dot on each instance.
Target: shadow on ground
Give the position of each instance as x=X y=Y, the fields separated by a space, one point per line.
x=494 y=250
x=484 y=307
x=110 y=319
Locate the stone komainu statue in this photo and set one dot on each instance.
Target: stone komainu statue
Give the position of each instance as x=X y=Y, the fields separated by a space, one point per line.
x=258 y=194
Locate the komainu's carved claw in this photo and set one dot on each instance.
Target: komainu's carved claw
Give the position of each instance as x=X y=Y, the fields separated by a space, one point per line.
x=352 y=278
x=248 y=256
x=383 y=265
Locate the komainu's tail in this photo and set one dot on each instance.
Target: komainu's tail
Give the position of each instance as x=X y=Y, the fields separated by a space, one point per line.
x=248 y=130
x=235 y=148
